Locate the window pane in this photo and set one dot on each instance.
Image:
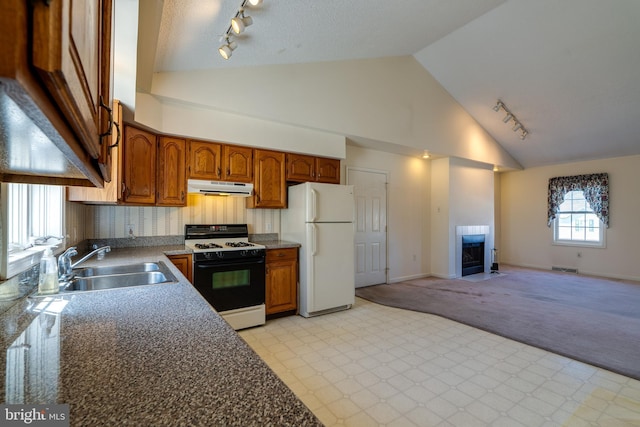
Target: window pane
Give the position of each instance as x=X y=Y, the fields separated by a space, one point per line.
x=564 y=233
x=565 y=206
x=564 y=220
x=580 y=205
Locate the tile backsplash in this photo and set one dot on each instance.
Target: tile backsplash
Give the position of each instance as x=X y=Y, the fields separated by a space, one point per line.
x=108 y=222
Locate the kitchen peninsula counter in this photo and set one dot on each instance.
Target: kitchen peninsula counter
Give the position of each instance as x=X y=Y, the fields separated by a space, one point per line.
x=146 y=355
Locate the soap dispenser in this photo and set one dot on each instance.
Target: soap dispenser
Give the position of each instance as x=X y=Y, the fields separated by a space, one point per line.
x=48 y=283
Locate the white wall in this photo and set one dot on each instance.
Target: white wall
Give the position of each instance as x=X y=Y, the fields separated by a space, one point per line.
x=462 y=195
x=210 y=124
x=527 y=241
x=407 y=212
x=393 y=100
x=441 y=250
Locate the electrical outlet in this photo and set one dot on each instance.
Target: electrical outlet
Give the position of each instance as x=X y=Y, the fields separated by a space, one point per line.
x=268 y=227
x=130 y=230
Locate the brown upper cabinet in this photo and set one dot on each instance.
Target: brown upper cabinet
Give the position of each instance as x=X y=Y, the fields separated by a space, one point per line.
x=111 y=192
x=204 y=160
x=304 y=168
x=220 y=162
x=74 y=62
x=270 y=190
x=139 y=167
x=237 y=163
x=328 y=170
x=171 y=174
x=56 y=67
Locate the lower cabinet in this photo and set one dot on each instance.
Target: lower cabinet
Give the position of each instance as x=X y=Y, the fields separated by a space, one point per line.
x=282 y=281
x=183 y=262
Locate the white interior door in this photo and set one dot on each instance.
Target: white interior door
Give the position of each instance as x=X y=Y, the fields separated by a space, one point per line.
x=370 y=194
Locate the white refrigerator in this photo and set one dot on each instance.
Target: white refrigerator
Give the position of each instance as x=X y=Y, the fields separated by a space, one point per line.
x=320 y=218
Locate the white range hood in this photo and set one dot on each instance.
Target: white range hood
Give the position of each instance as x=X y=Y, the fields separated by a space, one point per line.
x=219 y=188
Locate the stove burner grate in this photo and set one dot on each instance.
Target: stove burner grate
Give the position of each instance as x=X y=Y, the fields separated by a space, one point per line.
x=207 y=246
x=238 y=244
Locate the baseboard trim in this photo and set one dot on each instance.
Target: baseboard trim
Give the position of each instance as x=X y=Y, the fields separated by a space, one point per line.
x=581 y=272
x=405 y=278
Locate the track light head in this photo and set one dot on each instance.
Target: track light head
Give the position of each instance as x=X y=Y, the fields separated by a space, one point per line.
x=517 y=127
x=507 y=118
x=226 y=49
x=497 y=107
x=240 y=22
x=255 y=2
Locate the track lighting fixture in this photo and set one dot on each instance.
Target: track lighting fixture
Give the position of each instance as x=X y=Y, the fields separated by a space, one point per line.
x=517 y=124
x=238 y=24
x=425 y=154
x=226 y=49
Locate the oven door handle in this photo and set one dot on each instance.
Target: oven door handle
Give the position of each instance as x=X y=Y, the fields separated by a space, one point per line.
x=217 y=264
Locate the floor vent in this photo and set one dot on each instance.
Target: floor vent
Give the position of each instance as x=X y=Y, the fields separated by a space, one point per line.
x=565 y=269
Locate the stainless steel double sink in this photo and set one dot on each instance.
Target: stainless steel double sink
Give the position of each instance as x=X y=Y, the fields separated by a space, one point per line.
x=118 y=276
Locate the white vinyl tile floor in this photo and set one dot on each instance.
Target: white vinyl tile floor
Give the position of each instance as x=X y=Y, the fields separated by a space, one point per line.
x=374 y=365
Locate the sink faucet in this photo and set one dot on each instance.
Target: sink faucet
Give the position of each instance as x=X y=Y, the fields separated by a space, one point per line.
x=64 y=261
x=90 y=254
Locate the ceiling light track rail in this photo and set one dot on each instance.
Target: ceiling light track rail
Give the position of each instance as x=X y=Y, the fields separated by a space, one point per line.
x=509 y=116
x=238 y=24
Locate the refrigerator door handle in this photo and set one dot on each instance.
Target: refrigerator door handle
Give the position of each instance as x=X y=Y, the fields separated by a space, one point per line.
x=313 y=202
x=314 y=244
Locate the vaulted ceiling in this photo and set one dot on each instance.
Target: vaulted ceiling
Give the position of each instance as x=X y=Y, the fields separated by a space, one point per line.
x=568 y=70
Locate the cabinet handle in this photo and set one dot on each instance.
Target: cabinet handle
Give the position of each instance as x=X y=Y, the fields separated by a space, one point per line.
x=110 y=111
x=117 y=125
x=182 y=195
x=219 y=172
x=280 y=254
x=228 y=172
x=124 y=187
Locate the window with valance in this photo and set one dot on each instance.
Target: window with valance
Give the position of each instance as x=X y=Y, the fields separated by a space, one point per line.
x=594 y=186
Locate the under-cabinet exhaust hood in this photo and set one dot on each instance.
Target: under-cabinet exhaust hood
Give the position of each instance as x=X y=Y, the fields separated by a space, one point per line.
x=219 y=188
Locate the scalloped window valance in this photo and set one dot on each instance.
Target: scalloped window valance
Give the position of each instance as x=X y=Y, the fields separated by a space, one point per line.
x=594 y=186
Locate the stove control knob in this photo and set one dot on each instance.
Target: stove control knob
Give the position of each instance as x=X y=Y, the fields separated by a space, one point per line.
x=244 y=253
x=220 y=254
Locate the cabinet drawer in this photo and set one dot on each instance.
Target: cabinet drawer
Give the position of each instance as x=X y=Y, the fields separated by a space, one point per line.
x=284 y=254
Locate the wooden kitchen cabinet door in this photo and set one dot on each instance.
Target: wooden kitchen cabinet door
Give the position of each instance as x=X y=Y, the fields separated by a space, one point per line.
x=205 y=160
x=282 y=280
x=301 y=168
x=184 y=264
x=270 y=189
x=328 y=170
x=172 y=177
x=237 y=163
x=71 y=50
x=139 y=166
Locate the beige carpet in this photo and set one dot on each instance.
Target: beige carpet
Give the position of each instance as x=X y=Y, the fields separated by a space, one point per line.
x=593 y=320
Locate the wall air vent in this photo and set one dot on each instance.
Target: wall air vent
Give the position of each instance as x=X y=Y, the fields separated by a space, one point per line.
x=565 y=269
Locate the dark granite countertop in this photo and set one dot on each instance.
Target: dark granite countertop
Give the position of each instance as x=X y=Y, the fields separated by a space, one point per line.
x=147 y=355
x=279 y=244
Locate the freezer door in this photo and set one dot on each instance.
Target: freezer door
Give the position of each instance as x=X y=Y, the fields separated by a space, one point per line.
x=330 y=267
x=329 y=203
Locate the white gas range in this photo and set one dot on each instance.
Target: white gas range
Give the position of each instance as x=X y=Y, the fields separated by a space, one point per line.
x=229 y=271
